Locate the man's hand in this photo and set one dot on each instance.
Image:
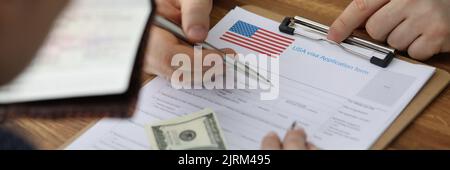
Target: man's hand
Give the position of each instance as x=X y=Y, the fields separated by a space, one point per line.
x=420 y=26
x=295 y=139
x=163 y=46
x=193 y=15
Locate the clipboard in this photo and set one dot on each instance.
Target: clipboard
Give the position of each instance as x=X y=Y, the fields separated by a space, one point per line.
x=437 y=83
x=298 y=25
x=115 y=105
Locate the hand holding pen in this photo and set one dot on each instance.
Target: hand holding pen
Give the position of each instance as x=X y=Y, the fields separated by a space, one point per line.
x=193 y=16
x=295 y=139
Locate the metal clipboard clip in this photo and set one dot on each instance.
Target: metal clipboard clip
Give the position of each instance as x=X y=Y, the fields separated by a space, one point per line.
x=304 y=27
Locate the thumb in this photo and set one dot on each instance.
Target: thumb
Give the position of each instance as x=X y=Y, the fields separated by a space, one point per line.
x=357 y=12
x=195 y=18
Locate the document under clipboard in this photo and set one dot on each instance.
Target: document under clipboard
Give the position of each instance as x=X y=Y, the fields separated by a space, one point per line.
x=429 y=92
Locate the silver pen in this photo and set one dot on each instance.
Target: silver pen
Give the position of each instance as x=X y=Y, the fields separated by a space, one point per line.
x=178 y=32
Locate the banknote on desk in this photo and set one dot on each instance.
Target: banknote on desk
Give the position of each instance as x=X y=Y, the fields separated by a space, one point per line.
x=197 y=131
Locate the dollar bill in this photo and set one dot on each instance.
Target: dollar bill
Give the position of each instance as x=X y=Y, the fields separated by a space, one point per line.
x=197 y=131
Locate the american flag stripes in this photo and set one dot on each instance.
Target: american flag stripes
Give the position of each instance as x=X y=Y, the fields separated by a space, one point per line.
x=257 y=39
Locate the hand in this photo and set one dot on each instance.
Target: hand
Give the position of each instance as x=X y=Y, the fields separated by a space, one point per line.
x=193 y=15
x=420 y=26
x=295 y=139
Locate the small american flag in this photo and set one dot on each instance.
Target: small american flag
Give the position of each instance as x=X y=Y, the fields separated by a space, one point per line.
x=257 y=39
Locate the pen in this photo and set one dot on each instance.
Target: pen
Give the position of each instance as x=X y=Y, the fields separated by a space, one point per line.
x=178 y=32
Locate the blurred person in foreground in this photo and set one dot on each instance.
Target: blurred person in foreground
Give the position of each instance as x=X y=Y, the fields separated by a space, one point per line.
x=24 y=24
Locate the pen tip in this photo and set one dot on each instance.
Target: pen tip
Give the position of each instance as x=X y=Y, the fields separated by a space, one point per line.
x=294 y=124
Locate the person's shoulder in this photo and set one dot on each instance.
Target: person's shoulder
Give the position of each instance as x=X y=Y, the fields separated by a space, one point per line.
x=10 y=141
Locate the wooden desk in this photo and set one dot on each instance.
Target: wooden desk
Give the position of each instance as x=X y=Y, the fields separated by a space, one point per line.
x=429 y=131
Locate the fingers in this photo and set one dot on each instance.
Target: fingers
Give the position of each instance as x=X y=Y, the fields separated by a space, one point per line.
x=156 y=60
x=200 y=55
x=423 y=48
x=229 y=51
x=168 y=9
x=195 y=18
x=404 y=34
x=446 y=46
x=311 y=146
x=295 y=140
x=271 y=142
x=208 y=60
x=434 y=34
x=164 y=46
x=382 y=22
x=353 y=16
x=435 y=31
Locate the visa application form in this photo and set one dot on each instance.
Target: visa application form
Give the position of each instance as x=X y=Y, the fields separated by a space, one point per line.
x=341 y=100
x=90 y=52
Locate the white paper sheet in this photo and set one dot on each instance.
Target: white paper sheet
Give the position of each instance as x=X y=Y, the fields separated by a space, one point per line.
x=339 y=107
x=91 y=51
